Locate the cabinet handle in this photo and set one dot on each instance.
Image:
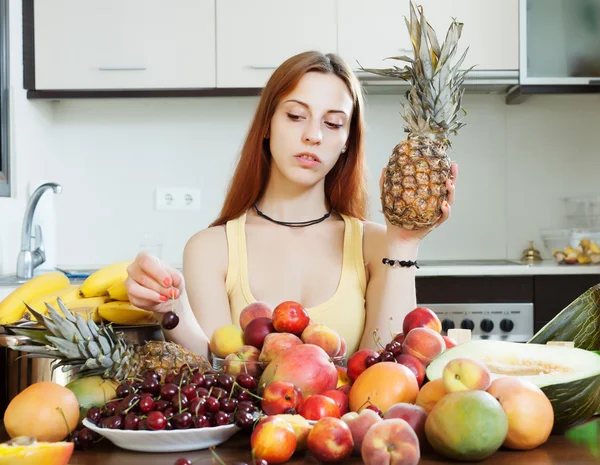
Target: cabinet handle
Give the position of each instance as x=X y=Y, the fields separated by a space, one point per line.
x=263 y=67
x=122 y=68
x=594 y=82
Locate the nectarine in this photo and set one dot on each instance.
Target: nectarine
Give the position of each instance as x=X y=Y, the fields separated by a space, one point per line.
x=466 y=374
x=421 y=317
x=423 y=343
x=330 y=440
x=391 y=442
x=359 y=424
x=254 y=310
x=273 y=440
x=290 y=317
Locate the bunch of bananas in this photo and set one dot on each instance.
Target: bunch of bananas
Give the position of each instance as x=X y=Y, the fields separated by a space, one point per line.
x=102 y=296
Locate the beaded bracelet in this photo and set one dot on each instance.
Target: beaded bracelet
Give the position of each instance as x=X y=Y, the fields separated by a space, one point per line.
x=402 y=263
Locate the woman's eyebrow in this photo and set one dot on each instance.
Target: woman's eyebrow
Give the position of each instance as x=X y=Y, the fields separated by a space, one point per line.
x=308 y=107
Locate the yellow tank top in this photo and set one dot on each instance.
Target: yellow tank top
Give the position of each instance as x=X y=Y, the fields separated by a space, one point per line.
x=343 y=312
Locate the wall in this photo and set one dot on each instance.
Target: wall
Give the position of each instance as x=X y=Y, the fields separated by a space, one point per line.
x=516 y=164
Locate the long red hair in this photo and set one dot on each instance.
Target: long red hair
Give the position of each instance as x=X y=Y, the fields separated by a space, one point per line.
x=345 y=184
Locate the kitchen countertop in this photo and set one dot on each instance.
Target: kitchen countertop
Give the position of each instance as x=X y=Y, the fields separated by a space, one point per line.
x=426 y=268
x=557 y=450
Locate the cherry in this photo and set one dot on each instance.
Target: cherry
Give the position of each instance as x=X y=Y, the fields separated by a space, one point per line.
x=182 y=420
x=94 y=415
x=386 y=356
x=112 y=422
x=243 y=419
x=161 y=405
x=212 y=405
x=371 y=360
x=246 y=381
x=181 y=379
x=375 y=409
x=170 y=320
x=76 y=443
x=127 y=403
x=228 y=405
x=136 y=386
x=197 y=406
x=182 y=462
x=147 y=404
x=168 y=412
x=218 y=393
x=221 y=418
x=151 y=374
x=131 y=421
x=168 y=391
x=245 y=406
x=209 y=381
x=86 y=439
x=110 y=407
x=180 y=402
x=189 y=391
x=151 y=386
x=156 y=421
x=169 y=378
x=197 y=378
x=201 y=392
x=225 y=381
x=243 y=396
x=123 y=390
x=201 y=421
x=394 y=347
x=143 y=425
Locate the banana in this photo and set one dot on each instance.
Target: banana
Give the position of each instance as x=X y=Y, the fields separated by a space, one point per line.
x=124 y=313
x=66 y=294
x=13 y=307
x=118 y=291
x=87 y=307
x=97 y=283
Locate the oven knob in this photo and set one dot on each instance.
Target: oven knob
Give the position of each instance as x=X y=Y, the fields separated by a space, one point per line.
x=506 y=325
x=467 y=324
x=447 y=324
x=486 y=325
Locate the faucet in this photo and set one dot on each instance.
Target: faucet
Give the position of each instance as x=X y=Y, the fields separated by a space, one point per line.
x=29 y=259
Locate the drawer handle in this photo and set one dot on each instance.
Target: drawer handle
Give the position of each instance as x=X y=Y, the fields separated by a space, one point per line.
x=263 y=67
x=122 y=68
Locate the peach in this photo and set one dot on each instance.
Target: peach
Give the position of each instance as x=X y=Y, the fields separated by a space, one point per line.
x=301 y=427
x=414 y=365
x=226 y=340
x=275 y=343
x=274 y=440
x=330 y=440
x=430 y=394
x=322 y=336
x=340 y=398
x=359 y=424
x=244 y=360
x=307 y=366
x=343 y=348
x=421 y=317
x=319 y=406
x=254 y=310
x=27 y=451
x=356 y=363
x=529 y=412
x=383 y=385
x=343 y=378
x=290 y=317
x=414 y=415
x=257 y=330
x=391 y=442
x=449 y=342
x=423 y=343
x=281 y=397
x=466 y=374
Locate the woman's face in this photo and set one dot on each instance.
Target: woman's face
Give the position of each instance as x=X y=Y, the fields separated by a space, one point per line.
x=310 y=128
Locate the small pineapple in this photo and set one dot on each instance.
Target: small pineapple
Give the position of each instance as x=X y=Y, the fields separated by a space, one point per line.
x=414 y=181
x=92 y=350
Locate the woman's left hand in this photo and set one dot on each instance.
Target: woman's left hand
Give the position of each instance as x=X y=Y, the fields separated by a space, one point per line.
x=415 y=235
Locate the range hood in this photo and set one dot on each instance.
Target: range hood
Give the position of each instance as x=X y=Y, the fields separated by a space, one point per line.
x=476 y=82
x=559 y=48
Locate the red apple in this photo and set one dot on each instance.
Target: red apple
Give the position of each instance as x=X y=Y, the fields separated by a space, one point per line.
x=391 y=442
x=359 y=424
x=281 y=397
x=356 y=363
x=414 y=365
x=330 y=440
x=319 y=406
x=345 y=388
x=290 y=317
x=257 y=330
x=273 y=440
x=254 y=310
x=339 y=398
x=414 y=415
x=421 y=317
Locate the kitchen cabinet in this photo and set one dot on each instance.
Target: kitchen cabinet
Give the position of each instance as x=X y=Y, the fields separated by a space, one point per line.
x=253 y=38
x=6 y=290
x=123 y=44
x=371 y=31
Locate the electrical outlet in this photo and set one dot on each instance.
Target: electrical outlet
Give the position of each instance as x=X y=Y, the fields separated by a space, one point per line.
x=178 y=198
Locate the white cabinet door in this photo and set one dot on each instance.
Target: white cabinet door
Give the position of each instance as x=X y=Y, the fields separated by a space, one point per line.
x=491 y=30
x=5 y=291
x=254 y=37
x=124 y=44
x=371 y=31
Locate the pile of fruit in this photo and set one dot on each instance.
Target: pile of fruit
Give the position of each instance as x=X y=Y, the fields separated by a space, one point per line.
x=102 y=297
x=586 y=252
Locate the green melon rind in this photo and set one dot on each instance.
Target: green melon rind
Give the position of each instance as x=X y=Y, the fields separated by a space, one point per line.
x=579 y=322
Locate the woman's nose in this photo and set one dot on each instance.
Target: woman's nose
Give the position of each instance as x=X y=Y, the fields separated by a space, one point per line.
x=313 y=133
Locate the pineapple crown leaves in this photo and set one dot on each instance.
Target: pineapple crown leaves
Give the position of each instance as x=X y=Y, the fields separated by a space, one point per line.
x=74 y=343
x=434 y=100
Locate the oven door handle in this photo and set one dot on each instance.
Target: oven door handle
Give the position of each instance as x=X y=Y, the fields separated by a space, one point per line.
x=10 y=340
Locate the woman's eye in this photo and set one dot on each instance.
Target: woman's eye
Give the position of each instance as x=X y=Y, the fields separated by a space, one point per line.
x=293 y=117
x=333 y=125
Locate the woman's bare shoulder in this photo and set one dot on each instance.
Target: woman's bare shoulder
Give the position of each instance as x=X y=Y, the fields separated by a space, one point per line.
x=208 y=246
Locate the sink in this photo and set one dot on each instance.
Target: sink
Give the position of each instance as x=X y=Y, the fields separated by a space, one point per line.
x=75 y=276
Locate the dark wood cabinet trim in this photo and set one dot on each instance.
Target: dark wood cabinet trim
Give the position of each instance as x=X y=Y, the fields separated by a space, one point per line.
x=28 y=45
x=143 y=93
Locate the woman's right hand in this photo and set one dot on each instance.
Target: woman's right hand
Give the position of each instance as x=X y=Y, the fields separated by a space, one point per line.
x=152 y=284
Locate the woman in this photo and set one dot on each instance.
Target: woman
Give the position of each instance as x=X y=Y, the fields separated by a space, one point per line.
x=293 y=225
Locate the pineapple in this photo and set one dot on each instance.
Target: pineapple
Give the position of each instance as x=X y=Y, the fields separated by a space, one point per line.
x=414 y=182
x=92 y=350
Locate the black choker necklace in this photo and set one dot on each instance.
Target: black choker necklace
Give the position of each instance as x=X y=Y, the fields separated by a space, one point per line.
x=292 y=224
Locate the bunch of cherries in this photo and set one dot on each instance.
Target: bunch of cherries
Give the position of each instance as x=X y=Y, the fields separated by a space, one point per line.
x=188 y=399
